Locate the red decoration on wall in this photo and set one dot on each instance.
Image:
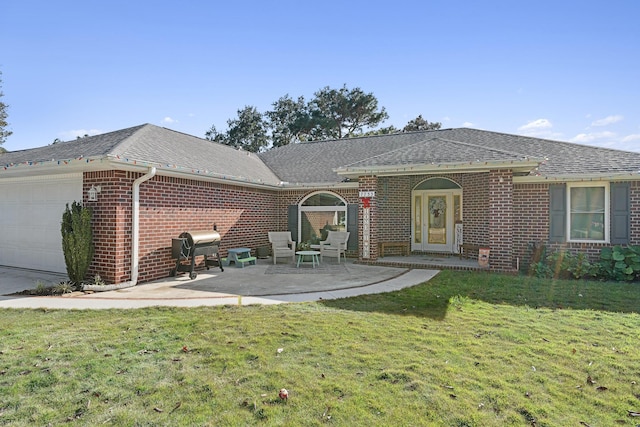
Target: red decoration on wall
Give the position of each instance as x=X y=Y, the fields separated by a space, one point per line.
x=366 y=202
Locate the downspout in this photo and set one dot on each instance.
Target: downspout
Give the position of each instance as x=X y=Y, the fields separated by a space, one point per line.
x=135 y=225
x=135 y=238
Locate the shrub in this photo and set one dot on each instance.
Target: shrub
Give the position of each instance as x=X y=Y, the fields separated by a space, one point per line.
x=620 y=263
x=563 y=265
x=63 y=288
x=77 y=241
x=541 y=270
x=578 y=265
x=41 y=288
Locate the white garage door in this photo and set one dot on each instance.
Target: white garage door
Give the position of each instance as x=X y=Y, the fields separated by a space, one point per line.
x=30 y=215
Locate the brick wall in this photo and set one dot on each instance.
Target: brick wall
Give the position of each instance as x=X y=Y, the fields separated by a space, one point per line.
x=393 y=199
x=635 y=212
x=369 y=183
x=168 y=207
x=487 y=211
x=490 y=215
x=531 y=210
x=111 y=224
x=509 y=225
x=475 y=208
x=501 y=219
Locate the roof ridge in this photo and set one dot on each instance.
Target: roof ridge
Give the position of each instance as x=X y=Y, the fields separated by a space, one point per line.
x=127 y=141
x=555 y=141
x=99 y=135
x=404 y=147
x=452 y=141
x=379 y=135
x=496 y=150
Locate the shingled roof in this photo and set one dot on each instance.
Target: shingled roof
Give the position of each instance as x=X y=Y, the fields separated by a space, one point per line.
x=91 y=146
x=320 y=162
x=333 y=161
x=156 y=146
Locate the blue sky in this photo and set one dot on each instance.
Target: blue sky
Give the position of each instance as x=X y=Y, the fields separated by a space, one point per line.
x=566 y=70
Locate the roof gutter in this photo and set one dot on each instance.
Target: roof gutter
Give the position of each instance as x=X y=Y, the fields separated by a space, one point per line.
x=611 y=176
x=188 y=173
x=416 y=169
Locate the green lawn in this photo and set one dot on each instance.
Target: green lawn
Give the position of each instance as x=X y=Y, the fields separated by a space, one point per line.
x=466 y=349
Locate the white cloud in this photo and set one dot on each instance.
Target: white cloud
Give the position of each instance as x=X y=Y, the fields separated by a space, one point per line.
x=540 y=128
x=74 y=133
x=536 y=125
x=169 y=120
x=607 y=120
x=467 y=125
x=609 y=140
x=584 y=138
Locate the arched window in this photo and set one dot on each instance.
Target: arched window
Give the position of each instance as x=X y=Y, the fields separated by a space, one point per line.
x=437 y=184
x=318 y=213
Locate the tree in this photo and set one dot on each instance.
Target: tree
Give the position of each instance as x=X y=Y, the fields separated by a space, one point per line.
x=421 y=124
x=213 y=135
x=248 y=131
x=383 y=131
x=289 y=121
x=342 y=113
x=331 y=114
x=4 y=133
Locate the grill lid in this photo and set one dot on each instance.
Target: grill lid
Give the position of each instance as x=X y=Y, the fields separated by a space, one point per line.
x=201 y=237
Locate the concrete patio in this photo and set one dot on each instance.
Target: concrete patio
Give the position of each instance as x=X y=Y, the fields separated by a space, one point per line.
x=263 y=283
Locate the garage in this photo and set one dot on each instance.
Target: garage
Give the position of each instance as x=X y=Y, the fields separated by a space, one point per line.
x=31 y=211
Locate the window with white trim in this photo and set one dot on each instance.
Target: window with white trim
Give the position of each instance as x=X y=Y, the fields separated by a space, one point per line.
x=588 y=212
x=319 y=213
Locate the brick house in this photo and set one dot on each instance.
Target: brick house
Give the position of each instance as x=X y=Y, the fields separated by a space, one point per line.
x=427 y=191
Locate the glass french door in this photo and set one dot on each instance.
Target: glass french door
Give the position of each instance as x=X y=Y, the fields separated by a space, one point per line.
x=434 y=214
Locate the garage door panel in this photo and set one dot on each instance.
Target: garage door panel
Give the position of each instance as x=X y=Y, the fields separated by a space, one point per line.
x=9 y=215
x=30 y=216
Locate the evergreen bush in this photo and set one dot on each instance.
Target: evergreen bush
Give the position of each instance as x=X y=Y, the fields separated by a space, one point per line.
x=77 y=241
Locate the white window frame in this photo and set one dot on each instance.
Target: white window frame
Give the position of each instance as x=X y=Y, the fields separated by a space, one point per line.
x=606 y=211
x=302 y=209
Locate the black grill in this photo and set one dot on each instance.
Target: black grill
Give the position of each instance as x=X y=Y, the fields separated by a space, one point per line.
x=189 y=245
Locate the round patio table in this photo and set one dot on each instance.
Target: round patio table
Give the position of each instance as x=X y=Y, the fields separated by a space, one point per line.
x=314 y=257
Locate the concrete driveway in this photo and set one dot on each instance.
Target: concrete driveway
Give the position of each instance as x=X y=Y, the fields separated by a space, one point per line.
x=14 y=280
x=263 y=283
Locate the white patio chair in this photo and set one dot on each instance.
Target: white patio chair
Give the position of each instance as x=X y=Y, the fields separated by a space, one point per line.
x=335 y=246
x=282 y=245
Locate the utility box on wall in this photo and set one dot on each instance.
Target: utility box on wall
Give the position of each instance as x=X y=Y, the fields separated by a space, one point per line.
x=483 y=257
